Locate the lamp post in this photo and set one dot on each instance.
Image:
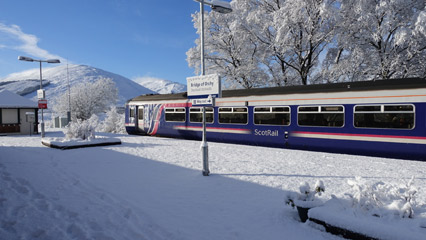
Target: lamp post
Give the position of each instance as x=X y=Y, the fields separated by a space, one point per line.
x=217 y=6
x=221 y=7
x=28 y=59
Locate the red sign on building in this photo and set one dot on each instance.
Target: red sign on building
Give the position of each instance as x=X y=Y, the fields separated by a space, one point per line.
x=42 y=104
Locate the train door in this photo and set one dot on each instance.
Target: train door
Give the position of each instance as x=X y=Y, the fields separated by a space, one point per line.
x=140 y=119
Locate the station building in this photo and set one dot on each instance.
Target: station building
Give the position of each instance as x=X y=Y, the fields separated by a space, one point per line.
x=18 y=115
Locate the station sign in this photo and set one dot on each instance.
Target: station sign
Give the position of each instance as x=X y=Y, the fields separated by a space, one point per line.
x=203 y=101
x=203 y=86
x=42 y=104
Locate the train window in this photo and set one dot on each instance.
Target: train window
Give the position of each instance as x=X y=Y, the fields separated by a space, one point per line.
x=175 y=115
x=308 y=109
x=240 y=109
x=368 y=108
x=272 y=116
x=321 y=116
x=399 y=108
x=196 y=115
x=233 y=115
x=332 y=109
x=225 y=109
x=140 y=113
x=132 y=112
x=385 y=116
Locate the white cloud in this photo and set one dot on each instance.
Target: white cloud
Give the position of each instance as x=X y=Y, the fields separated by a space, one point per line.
x=24 y=42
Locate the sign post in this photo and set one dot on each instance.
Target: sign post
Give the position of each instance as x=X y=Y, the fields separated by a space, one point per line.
x=202 y=90
x=205 y=147
x=42 y=103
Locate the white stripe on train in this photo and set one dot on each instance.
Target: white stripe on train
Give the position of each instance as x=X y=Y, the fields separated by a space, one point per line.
x=361 y=137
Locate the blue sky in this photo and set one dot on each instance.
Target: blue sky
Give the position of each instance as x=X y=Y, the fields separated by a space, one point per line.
x=133 y=38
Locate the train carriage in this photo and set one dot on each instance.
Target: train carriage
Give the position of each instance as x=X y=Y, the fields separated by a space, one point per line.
x=380 y=118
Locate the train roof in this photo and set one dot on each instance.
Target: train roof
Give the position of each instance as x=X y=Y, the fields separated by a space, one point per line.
x=389 y=84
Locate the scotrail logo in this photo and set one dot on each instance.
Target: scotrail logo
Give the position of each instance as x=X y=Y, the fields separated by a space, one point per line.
x=266 y=133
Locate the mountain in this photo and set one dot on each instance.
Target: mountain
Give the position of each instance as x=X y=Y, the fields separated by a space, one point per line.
x=160 y=86
x=55 y=81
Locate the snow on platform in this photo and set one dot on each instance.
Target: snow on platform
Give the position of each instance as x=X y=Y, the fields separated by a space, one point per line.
x=153 y=188
x=63 y=144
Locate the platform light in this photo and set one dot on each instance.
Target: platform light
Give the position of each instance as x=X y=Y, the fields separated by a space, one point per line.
x=28 y=59
x=217 y=5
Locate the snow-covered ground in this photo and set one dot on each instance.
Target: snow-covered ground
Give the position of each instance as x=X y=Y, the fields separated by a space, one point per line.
x=152 y=188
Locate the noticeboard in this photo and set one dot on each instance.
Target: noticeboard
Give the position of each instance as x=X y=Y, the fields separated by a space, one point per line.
x=30 y=117
x=41 y=94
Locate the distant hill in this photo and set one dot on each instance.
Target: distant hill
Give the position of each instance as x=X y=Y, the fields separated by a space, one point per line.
x=161 y=86
x=55 y=81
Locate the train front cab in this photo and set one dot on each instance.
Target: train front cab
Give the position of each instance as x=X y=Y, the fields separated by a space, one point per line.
x=134 y=119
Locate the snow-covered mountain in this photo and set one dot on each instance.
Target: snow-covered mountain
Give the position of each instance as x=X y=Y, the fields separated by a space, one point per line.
x=160 y=85
x=55 y=81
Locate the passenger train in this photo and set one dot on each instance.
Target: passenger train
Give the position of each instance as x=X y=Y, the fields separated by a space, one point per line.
x=385 y=118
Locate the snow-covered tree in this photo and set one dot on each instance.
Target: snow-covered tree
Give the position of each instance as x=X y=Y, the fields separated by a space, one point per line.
x=377 y=39
x=298 y=42
x=266 y=42
x=260 y=26
x=113 y=123
x=87 y=99
x=421 y=23
x=229 y=50
x=304 y=30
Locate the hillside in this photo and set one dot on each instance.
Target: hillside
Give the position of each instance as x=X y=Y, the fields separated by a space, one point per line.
x=160 y=85
x=55 y=81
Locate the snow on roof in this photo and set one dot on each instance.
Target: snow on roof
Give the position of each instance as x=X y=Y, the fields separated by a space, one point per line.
x=12 y=100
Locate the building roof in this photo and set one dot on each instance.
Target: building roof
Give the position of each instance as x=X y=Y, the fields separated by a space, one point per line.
x=12 y=100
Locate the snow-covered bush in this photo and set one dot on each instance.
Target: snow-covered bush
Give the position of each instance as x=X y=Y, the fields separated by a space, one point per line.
x=306 y=197
x=383 y=200
x=113 y=123
x=79 y=129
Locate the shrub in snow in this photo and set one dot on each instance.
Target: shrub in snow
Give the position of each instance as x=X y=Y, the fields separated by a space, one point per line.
x=113 y=123
x=306 y=197
x=81 y=129
x=383 y=200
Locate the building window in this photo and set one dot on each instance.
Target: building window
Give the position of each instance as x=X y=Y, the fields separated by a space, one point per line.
x=272 y=116
x=321 y=116
x=196 y=115
x=9 y=116
x=175 y=115
x=384 y=116
x=233 y=115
